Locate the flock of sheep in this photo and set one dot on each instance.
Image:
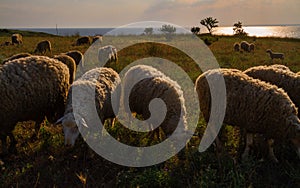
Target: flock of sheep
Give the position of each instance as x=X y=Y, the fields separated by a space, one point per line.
x=261 y=100
x=249 y=47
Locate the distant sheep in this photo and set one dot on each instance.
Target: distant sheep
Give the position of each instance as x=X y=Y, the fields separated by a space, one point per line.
x=98 y=82
x=83 y=40
x=236 y=47
x=43 y=46
x=16 y=56
x=16 y=38
x=156 y=85
x=251 y=47
x=285 y=79
x=31 y=88
x=97 y=38
x=67 y=60
x=107 y=53
x=275 y=55
x=253 y=105
x=77 y=56
x=245 y=46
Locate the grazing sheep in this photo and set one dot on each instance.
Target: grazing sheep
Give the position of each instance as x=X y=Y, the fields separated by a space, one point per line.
x=77 y=56
x=16 y=38
x=43 y=46
x=16 y=56
x=107 y=53
x=101 y=82
x=97 y=38
x=155 y=85
x=245 y=46
x=251 y=47
x=275 y=55
x=236 y=47
x=31 y=88
x=253 y=105
x=67 y=60
x=285 y=79
x=83 y=40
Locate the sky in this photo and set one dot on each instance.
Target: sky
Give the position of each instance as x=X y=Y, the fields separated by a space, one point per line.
x=115 y=13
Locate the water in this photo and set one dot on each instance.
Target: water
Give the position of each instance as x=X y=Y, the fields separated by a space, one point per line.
x=291 y=31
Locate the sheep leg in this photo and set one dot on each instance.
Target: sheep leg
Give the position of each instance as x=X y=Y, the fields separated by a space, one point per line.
x=271 y=154
x=249 y=143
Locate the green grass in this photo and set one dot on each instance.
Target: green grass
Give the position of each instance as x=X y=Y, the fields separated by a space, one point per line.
x=43 y=161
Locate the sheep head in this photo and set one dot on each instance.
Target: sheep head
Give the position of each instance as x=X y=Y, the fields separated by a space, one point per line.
x=70 y=128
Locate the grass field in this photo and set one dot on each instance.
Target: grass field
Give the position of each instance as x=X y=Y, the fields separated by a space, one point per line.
x=43 y=160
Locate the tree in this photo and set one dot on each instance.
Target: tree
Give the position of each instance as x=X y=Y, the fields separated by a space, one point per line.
x=209 y=23
x=195 y=30
x=148 y=31
x=238 y=29
x=168 y=30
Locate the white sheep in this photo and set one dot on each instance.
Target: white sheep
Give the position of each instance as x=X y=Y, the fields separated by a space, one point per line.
x=31 y=88
x=253 y=105
x=101 y=83
x=154 y=85
x=107 y=53
x=275 y=55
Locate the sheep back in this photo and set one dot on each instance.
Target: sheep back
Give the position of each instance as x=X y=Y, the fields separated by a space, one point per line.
x=285 y=79
x=16 y=56
x=155 y=85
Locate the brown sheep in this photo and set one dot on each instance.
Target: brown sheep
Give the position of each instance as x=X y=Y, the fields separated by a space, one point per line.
x=43 y=46
x=16 y=38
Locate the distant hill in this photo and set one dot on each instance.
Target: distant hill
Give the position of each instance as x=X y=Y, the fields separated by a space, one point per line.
x=9 y=32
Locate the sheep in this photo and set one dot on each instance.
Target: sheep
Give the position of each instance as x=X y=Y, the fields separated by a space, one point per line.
x=275 y=55
x=16 y=56
x=245 y=46
x=43 y=46
x=253 y=105
x=16 y=38
x=97 y=38
x=77 y=56
x=67 y=60
x=101 y=82
x=285 y=79
x=107 y=53
x=251 y=47
x=155 y=85
x=236 y=46
x=83 y=40
x=31 y=88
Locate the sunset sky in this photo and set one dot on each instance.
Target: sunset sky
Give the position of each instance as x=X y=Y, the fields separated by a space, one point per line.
x=114 y=13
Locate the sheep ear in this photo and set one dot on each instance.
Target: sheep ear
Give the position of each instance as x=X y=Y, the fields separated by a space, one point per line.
x=81 y=122
x=59 y=121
